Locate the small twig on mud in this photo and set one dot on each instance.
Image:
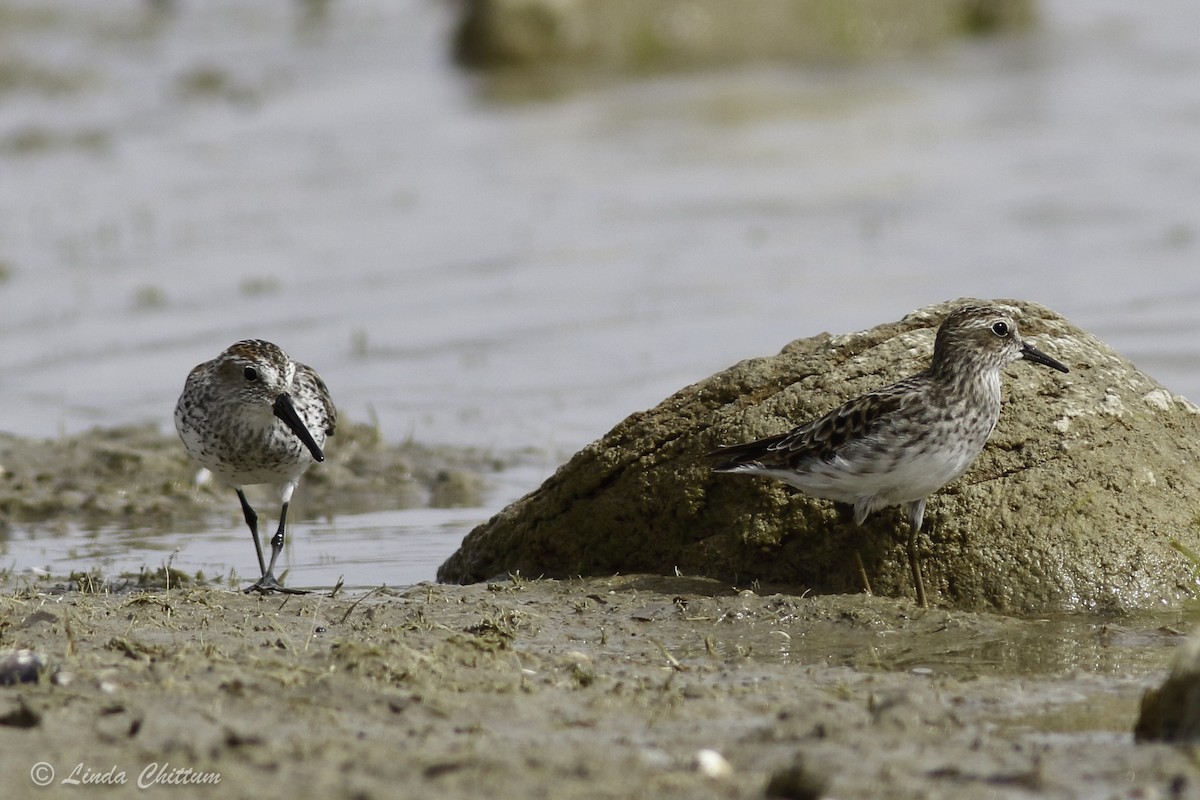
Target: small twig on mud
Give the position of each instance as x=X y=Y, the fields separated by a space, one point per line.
x=69 y=631
x=350 y=610
x=672 y=660
x=1185 y=551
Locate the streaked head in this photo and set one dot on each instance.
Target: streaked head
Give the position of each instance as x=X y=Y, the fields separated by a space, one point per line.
x=985 y=336
x=260 y=375
x=255 y=371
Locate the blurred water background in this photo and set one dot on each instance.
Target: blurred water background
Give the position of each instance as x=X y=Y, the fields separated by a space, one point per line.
x=519 y=275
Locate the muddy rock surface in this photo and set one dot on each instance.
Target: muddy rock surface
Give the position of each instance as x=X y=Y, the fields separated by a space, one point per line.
x=1087 y=485
x=630 y=687
x=142 y=477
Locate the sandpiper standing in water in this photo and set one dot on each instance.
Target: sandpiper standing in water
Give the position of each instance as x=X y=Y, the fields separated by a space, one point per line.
x=898 y=445
x=252 y=415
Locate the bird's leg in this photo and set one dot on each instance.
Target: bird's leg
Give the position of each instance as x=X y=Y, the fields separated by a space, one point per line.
x=857 y=512
x=252 y=521
x=916 y=513
x=862 y=573
x=267 y=583
x=914 y=561
x=277 y=543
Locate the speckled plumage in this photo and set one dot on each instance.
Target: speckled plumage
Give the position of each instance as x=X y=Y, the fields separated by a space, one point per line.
x=898 y=445
x=250 y=416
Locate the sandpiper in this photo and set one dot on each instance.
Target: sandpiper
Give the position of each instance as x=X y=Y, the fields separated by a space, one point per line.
x=898 y=445
x=252 y=415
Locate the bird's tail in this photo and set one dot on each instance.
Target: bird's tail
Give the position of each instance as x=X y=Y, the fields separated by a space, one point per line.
x=736 y=457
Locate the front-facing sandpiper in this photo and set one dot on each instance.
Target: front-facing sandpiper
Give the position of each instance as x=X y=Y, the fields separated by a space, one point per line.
x=900 y=444
x=250 y=416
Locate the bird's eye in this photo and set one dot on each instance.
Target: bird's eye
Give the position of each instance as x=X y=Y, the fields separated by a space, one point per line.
x=250 y=374
x=1000 y=328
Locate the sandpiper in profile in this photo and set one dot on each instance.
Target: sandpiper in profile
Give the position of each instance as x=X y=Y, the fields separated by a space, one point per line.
x=252 y=415
x=898 y=445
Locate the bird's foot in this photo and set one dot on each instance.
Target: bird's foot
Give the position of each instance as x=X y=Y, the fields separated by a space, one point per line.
x=268 y=585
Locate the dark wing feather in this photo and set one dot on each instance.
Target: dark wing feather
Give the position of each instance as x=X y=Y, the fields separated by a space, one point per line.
x=820 y=438
x=317 y=387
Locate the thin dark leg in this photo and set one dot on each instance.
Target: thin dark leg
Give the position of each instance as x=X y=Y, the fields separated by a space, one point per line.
x=916 y=515
x=862 y=573
x=277 y=540
x=267 y=583
x=914 y=560
x=848 y=512
x=252 y=521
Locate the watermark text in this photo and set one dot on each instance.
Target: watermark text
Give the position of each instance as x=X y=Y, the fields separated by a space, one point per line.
x=153 y=774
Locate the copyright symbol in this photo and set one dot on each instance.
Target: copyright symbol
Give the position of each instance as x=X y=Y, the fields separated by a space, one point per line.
x=42 y=774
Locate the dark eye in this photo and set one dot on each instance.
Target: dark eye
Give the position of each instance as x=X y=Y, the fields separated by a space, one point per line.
x=1000 y=328
x=251 y=374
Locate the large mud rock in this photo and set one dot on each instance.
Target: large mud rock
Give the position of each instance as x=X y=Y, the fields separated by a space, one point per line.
x=636 y=35
x=1073 y=505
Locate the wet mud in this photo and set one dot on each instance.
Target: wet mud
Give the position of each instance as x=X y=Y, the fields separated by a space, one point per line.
x=141 y=477
x=632 y=686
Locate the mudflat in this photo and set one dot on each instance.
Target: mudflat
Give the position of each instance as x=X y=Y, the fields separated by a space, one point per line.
x=628 y=686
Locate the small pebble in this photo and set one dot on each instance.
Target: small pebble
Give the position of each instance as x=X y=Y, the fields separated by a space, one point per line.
x=711 y=764
x=20 y=666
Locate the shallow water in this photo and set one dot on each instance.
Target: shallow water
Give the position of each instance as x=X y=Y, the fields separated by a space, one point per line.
x=517 y=275
x=387 y=548
x=357 y=551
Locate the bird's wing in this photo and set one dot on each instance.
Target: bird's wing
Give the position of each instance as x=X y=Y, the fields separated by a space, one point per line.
x=317 y=387
x=821 y=438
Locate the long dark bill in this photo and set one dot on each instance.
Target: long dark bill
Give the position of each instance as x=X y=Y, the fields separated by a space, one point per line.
x=284 y=409
x=1031 y=353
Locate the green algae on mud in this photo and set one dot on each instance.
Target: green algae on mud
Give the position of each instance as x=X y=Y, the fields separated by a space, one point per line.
x=605 y=687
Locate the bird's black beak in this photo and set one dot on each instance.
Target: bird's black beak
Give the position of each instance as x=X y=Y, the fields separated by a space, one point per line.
x=1031 y=353
x=284 y=409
